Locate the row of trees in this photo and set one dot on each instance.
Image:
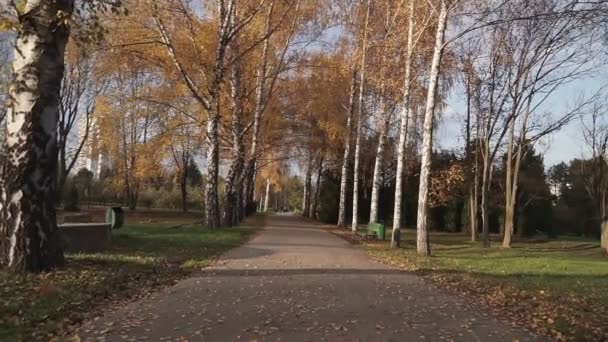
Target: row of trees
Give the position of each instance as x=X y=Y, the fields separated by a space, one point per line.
x=245 y=87
x=508 y=61
x=158 y=85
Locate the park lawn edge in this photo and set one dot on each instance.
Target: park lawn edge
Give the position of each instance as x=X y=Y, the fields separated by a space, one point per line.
x=563 y=317
x=57 y=303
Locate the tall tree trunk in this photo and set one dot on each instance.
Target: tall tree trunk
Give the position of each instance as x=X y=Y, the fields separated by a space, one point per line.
x=422 y=243
x=472 y=158
x=472 y=212
x=29 y=238
x=486 y=179
x=512 y=177
x=261 y=204
x=315 y=205
x=604 y=224
x=212 y=217
x=231 y=195
x=473 y=202
x=378 y=164
x=360 y=118
x=346 y=157
x=267 y=197
x=403 y=130
x=184 y=183
x=304 y=198
x=260 y=98
x=307 y=190
x=212 y=141
x=509 y=188
x=474 y=192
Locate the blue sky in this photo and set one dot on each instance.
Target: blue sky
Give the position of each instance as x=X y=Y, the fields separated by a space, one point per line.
x=563 y=145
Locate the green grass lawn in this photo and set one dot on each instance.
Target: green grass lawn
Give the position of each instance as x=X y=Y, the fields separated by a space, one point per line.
x=142 y=258
x=562 y=284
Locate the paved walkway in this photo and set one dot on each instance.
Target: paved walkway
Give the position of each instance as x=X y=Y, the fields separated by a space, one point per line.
x=296 y=282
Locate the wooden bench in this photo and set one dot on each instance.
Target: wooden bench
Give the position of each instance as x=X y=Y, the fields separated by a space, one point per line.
x=372 y=231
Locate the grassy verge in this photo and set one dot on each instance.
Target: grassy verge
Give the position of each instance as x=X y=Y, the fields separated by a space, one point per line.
x=555 y=287
x=143 y=258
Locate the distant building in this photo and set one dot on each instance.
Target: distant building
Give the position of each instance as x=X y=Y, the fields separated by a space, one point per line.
x=92 y=157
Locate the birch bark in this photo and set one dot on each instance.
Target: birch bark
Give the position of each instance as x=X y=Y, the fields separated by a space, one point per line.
x=267 y=196
x=346 y=157
x=260 y=93
x=315 y=205
x=422 y=243
x=231 y=205
x=403 y=131
x=360 y=118
x=29 y=237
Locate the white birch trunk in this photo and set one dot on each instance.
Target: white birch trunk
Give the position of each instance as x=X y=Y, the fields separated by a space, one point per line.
x=604 y=224
x=360 y=118
x=422 y=243
x=29 y=237
x=346 y=157
x=379 y=162
x=308 y=189
x=486 y=180
x=509 y=209
x=317 y=195
x=355 y=219
x=261 y=204
x=267 y=196
x=473 y=199
x=512 y=180
x=232 y=205
x=226 y=22
x=403 y=128
x=304 y=198
x=260 y=92
x=310 y=192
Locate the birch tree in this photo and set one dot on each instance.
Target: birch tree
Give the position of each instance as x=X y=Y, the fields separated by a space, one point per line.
x=267 y=195
x=548 y=53
x=260 y=100
x=595 y=132
x=306 y=202
x=468 y=80
x=386 y=74
x=360 y=118
x=278 y=36
x=206 y=90
x=30 y=239
x=317 y=194
x=347 y=147
x=233 y=190
x=406 y=117
x=5 y=55
x=422 y=232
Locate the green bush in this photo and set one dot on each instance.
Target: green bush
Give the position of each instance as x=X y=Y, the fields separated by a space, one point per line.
x=171 y=198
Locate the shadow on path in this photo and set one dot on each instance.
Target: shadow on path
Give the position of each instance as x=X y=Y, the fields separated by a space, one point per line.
x=298 y=271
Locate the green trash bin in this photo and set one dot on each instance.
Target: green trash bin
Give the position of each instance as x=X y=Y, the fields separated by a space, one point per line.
x=380 y=230
x=115 y=216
